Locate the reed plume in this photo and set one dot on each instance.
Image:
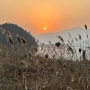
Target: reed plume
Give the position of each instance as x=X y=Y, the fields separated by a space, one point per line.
x=59 y=37
x=70 y=49
x=79 y=36
x=80 y=50
x=76 y=39
x=9 y=37
x=69 y=35
x=18 y=38
x=23 y=41
x=84 y=54
x=10 y=40
x=85 y=27
x=46 y=56
x=57 y=44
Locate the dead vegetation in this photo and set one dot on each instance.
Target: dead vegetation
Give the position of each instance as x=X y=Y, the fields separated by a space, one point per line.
x=22 y=68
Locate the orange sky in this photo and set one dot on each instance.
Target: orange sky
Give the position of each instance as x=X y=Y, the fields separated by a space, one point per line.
x=55 y=15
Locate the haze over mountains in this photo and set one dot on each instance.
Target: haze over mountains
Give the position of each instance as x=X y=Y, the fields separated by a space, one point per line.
x=44 y=38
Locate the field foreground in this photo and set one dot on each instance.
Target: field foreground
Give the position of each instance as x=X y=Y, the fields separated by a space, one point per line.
x=21 y=70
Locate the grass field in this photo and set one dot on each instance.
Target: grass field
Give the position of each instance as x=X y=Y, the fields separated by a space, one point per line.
x=21 y=68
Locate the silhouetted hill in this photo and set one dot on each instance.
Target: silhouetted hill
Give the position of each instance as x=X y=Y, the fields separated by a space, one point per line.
x=14 y=30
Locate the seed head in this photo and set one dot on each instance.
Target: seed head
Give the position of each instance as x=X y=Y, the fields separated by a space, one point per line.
x=79 y=36
x=10 y=41
x=80 y=50
x=57 y=44
x=61 y=38
x=85 y=27
x=18 y=38
x=69 y=34
x=70 y=49
x=46 y=56
x=23 y=40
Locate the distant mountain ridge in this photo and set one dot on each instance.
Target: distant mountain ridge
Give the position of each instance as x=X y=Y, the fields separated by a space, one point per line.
x=44 y=38
x=16 y=30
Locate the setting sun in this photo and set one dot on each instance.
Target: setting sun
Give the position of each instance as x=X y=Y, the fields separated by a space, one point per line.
x=35 y=15
x=44 y=28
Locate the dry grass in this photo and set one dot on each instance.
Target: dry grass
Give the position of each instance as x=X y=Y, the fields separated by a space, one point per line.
x=22 y=69
x=37 y=73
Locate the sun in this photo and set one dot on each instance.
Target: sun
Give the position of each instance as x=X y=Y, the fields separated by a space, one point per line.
x=44 y=28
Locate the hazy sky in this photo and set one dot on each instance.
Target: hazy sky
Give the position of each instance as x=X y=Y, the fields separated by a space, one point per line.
x=55 y=15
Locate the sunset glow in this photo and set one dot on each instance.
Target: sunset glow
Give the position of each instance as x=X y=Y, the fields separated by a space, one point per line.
x=44 y=28
x=57 y=14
